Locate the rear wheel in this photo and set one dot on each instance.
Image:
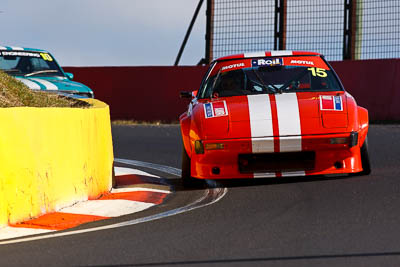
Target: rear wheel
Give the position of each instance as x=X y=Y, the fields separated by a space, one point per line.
x=187 y=180
x=365 y=159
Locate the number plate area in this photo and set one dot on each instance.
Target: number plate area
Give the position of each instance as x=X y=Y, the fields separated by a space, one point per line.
x=270 y=162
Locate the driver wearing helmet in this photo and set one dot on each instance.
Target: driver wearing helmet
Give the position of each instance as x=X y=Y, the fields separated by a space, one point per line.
x=230 y=84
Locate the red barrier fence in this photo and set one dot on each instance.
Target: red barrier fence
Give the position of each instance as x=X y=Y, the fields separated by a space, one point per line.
x=141 y=93
x=152 y=93
x=375 y=84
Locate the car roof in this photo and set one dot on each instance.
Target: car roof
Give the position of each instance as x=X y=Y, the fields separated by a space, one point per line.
x=276 y=53
x=17 y=48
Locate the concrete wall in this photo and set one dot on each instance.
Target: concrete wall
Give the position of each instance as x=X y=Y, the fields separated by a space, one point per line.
x=152 y=93
x=52 y=158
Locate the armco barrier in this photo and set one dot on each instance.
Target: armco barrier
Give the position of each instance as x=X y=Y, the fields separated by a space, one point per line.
x=152 y=93
x=52 y=158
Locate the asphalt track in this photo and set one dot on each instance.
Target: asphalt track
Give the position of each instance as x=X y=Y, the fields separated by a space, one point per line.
x=346 y=221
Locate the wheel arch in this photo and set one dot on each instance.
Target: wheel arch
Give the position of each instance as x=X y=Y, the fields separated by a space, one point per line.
x=363 y=121
x=185 y=122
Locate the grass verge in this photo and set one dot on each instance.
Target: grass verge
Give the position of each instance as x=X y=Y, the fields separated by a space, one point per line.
x=14 y=93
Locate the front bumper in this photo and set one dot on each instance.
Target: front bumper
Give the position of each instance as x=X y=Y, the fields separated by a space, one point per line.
x=317 y=155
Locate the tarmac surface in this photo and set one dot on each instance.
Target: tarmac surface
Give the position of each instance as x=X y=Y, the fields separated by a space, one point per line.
x=345 y=221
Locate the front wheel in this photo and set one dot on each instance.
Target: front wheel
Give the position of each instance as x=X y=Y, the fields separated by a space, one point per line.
x=187 y=180
x=366 y=165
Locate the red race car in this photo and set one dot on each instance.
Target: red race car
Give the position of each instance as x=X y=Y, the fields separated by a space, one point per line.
x=272 y=114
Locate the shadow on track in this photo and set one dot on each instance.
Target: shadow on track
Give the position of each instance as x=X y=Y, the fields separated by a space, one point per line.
x=232 y=183
x=259 y=260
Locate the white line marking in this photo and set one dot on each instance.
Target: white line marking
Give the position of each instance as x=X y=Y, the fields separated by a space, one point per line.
x=158 y=167
x=126 y=171
x=107 y=208
x=210 y=197
x=13 y=232
x=127 y=189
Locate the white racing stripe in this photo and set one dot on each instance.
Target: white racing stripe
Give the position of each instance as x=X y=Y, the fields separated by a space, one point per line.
x=254 y=54
x=292 y=174
x=289 y=122
x=47 y=84
x=261 y=126
x=284 y=174
x=265 y=175
x=260 y=123
x=281 y=53
x=262 y=145
x=30 y=84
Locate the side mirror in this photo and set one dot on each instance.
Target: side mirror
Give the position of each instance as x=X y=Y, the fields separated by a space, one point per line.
x=185 y=94
x=69 y=75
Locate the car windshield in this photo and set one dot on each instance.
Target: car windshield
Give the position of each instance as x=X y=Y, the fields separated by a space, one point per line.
x=268 y=79
x=22 y=63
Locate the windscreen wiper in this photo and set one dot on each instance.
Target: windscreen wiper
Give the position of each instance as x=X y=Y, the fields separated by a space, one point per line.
x=262 y=83
x=40 y=72
x=298 y=77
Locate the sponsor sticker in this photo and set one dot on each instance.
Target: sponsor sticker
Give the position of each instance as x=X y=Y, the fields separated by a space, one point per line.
x=329 y=102
x=267 y=62
x=233 y=66
x=19 y=54
x=215 y=109
x=301 y=62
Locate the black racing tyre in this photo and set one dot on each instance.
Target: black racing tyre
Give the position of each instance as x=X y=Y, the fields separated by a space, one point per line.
x=365 y=159
x=187 y=180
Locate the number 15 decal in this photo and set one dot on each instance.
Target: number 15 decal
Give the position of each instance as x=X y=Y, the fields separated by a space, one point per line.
x=318 y=72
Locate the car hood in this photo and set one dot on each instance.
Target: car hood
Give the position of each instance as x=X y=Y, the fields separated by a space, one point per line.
x=54 y=83
x=286 y=114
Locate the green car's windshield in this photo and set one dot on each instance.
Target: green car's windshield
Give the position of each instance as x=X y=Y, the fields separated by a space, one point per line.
x=21 y=63
x=269 y=80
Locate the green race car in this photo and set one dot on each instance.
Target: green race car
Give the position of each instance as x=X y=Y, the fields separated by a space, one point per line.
x=38 y=70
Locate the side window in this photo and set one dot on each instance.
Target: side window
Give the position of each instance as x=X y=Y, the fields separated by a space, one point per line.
x=206 y=84
x=207 y=88
x=7 y=63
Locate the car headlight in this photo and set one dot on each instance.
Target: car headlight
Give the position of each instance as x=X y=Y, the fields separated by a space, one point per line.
x=199 y=147
x=352 y=140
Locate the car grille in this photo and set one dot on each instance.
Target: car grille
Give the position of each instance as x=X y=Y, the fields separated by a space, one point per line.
x=284 y=161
